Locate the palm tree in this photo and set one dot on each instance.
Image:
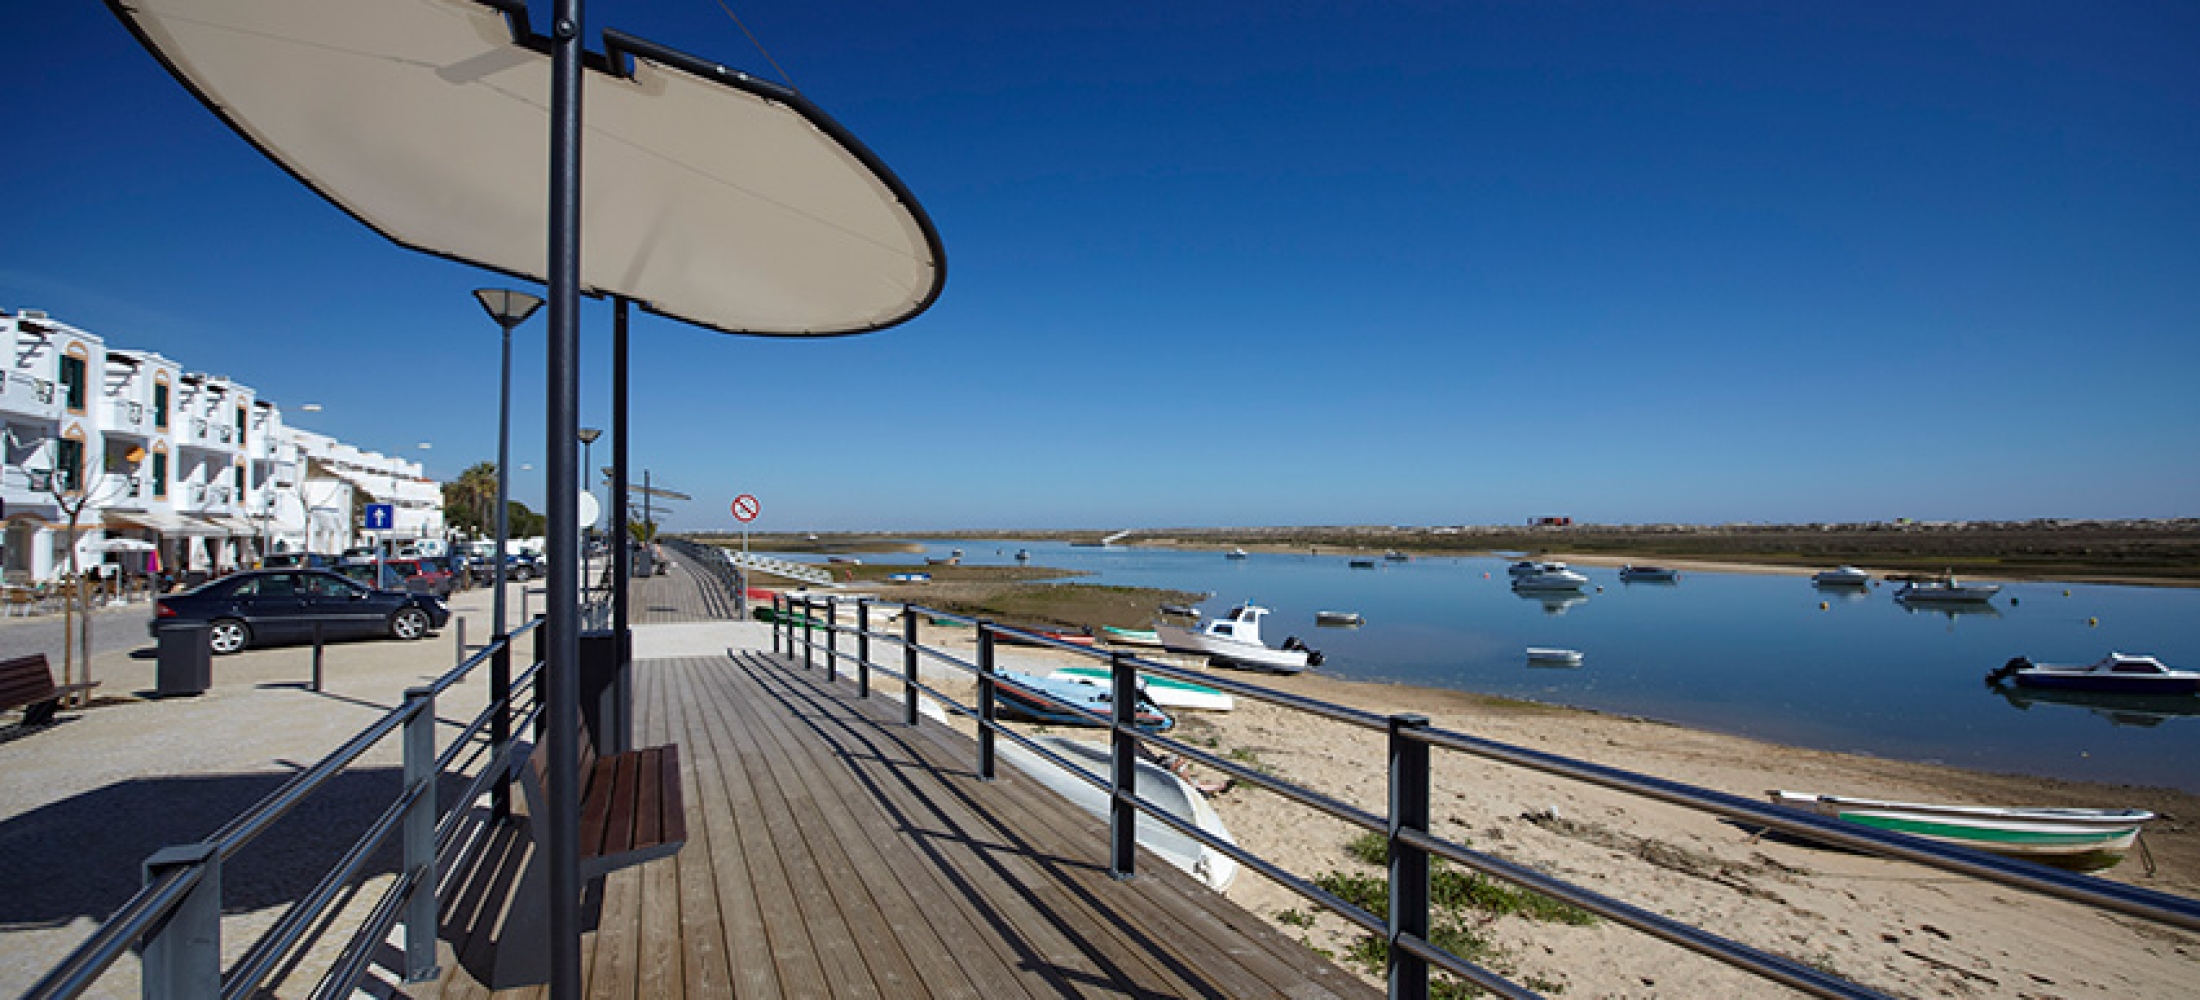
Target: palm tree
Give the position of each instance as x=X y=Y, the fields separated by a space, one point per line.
x=470 y=501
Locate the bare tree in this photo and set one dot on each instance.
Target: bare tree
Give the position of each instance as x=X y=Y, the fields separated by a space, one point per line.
x=76 y=609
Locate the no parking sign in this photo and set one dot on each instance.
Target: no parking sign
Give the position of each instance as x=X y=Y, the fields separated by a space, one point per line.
x=744 y=508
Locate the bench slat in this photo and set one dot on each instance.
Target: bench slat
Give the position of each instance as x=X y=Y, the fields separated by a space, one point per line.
x=626 y=773
x=649 y=822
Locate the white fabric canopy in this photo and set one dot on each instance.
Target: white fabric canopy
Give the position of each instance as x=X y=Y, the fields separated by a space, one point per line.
x=708 y=196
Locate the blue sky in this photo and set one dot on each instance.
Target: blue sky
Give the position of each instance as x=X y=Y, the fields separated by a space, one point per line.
x=1292 y=263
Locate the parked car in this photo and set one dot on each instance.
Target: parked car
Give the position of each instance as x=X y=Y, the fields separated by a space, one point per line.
x=422 y=576
x=519 y=567
x=265 y=606
x=298 y=560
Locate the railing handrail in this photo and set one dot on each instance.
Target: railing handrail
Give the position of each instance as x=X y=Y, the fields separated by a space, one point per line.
x=2118 y=897
x=155 y=902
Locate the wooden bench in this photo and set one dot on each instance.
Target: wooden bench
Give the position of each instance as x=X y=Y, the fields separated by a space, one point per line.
x=632 y=810
x=26 y=682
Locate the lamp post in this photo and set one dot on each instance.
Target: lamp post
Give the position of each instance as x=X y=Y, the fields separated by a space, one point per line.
x=588 y=436
x=509 y=309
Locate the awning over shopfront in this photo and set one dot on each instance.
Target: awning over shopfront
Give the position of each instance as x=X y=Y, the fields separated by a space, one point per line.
x=234 y=526
x=167 y=524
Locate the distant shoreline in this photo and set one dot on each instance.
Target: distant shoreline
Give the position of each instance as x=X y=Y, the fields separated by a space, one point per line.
x=2135 y=553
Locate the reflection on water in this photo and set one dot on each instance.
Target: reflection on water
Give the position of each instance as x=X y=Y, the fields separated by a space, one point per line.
x=1555 y=602
x=1952 y=610
x=2141 y=710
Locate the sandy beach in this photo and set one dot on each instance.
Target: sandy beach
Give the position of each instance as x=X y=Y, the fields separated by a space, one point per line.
x=1898 y=927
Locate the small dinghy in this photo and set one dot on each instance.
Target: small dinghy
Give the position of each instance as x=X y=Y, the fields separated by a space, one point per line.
x=1340 y=619
x=1155 y=784
x=1058 y=702
x=1130 y=636
x=1552 y=656
x=2083 y=839
x=1167 y=692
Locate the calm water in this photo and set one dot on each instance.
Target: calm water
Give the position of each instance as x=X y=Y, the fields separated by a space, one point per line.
x=1740 y=653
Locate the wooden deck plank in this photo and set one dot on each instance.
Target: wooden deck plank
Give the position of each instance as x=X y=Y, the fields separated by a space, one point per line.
x=930 y=937
x=798 y=966
x=705 y=974
x=1096 y=930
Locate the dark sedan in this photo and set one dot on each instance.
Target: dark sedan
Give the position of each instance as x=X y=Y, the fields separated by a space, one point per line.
x=283 y=605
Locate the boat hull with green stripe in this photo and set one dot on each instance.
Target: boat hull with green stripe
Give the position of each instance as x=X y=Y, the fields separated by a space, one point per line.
x=2082 y=839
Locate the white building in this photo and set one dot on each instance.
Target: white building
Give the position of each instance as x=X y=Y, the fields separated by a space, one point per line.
x=168 y=470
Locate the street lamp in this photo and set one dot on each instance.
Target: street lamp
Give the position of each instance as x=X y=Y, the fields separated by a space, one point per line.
x=588 y=436
x=509 y=309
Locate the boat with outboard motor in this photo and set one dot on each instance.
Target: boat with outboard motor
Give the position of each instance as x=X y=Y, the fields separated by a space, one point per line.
x=2124 y=673
x=1553 y=576
x=1234 y=640
x=1845 y=576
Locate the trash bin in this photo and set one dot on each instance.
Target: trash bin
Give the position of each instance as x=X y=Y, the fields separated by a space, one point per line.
x=186 y=660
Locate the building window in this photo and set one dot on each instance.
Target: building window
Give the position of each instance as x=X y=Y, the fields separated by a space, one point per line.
x=160 y=475
x=240 y=480
x=68 y=460
x=240 y=433
x=160 y=404
x=72 y=378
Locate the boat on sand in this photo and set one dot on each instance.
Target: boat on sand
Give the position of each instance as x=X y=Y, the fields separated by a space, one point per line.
x=1167 y=692
x=1069 y=702
x=1234 y=640
x=2083 y=839
x=1156 y=784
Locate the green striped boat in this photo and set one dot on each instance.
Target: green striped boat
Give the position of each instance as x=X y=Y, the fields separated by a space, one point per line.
x=2083 y=839
x=1167 y=692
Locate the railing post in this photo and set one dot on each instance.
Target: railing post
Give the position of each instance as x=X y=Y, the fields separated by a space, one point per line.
x=420 y=775
x=908 y=666
x=809 y=638
x=779 y=622
x=500 y=724
x=542 y=656
x=832 y=640
x=1123 y=779
x=863 y=648
x=461 y=631
x=182 y=959
x=1409 y=881
x=985 y=700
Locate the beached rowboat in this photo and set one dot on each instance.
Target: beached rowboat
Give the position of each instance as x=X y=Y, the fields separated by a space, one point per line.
x=1069 y=703
x=1155 y=784
x=1130 y=636
x=2083 y=839
x=1167 y=692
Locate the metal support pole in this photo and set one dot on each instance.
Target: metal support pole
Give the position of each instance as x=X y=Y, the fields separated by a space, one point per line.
x=542 y=649
x=909 y=667
x=1409 y=881
x=863 y=648
x=504 y=488
x=420 y=775
x=832 y=640
x=500 y=723
x=985 y=701
x=622 y=556
x=779 y=623
x=1122 y=815
x=460 y=633
x=809 y=639
x=182 y=959
x=317 y=645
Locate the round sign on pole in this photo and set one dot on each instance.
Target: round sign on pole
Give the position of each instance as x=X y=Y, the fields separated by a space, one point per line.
x=744 y=508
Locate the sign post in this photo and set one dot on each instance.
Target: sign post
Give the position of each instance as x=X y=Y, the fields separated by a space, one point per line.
x=381 y=517
x=744 y=511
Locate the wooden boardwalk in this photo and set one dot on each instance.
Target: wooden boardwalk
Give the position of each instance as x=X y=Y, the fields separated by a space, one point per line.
x=835 y=852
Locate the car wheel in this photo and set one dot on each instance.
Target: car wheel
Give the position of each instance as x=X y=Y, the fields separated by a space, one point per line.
x=409 y=623
x=227 y=636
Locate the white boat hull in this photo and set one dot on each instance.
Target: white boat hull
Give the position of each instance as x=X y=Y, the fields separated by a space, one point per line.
x=1238 y=654
x=1155 y=784
x=2076 y=838
x=1167 y=692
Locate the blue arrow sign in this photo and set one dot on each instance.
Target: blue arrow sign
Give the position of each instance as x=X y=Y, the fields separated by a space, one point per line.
x=381 y=517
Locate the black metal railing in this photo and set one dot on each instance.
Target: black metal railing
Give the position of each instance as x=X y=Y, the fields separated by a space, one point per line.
x=174 y=920
x=797 y=622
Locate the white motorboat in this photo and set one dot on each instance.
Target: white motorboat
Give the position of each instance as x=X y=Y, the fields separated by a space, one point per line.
x=2122 y=673
x=1549 y=656
x=1234 y=639
x=1845 y=576
x=1553 y=576
x=1527 y=566
x=1234 y=554
x=1155 y=784
x=1946 y=589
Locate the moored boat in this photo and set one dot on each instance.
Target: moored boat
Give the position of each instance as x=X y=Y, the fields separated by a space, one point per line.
x=1396 y=556
x=1648 y=574
x=2123 y=673
x=1551 y=656
x=1234 y=554
x=908 y=578
x=1946 y=589
x=1363 y=564
x=1845 y=576
x=1072 y=638
x=1167 y=692
x=2084 y=839
x=1553 y=576
x=1340 y=619
x=1234 y=639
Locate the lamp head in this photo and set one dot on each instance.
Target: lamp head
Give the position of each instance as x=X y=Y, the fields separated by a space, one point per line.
x=590 y=434
x=509 y=308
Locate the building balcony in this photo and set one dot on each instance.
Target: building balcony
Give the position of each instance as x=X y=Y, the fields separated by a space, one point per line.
x=125 y=416
x=23 y=395
x=19 y=485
